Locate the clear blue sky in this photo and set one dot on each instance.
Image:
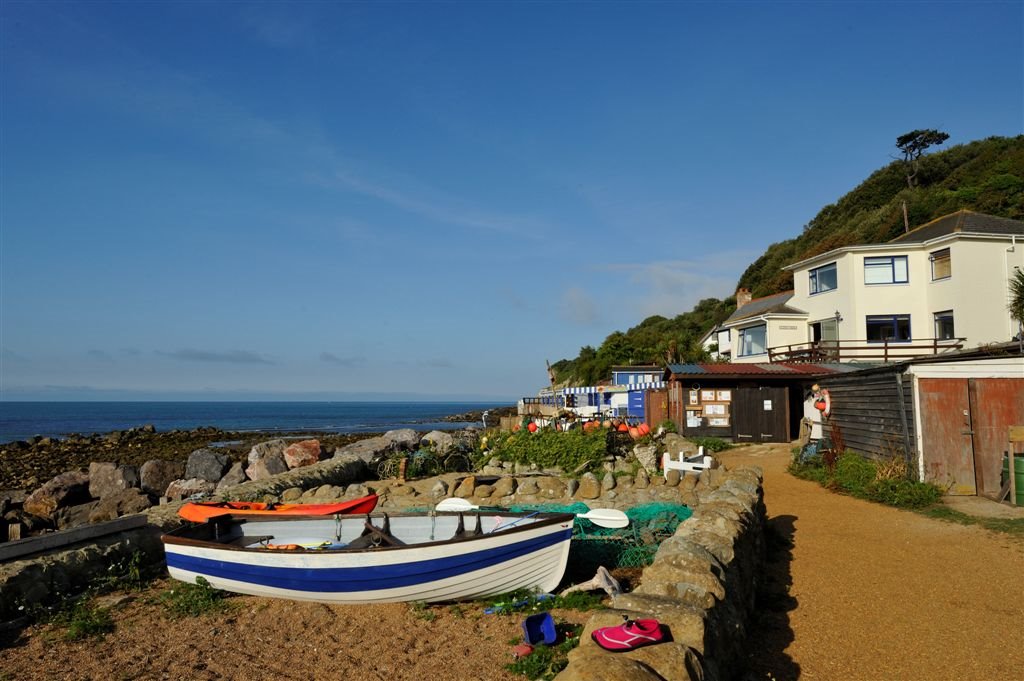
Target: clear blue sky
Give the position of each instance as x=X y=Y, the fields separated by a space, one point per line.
x=275 y=200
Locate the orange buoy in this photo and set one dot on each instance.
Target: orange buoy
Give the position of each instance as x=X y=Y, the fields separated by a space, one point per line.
x=623 y=428
x=643 y=428
x=532 y=427
x=634 y=433
x=606 y=424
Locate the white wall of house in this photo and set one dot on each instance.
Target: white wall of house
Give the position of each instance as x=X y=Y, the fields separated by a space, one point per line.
x=779 y=330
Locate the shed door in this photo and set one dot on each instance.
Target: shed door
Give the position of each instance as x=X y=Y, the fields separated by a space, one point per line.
x=946 y=434
x=657 y=407
x=761 y=414
x=996 y=404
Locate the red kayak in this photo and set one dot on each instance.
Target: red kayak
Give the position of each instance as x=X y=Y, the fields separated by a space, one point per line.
x=201 y=511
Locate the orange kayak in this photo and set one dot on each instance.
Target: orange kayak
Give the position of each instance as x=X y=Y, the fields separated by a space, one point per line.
x=201 y=511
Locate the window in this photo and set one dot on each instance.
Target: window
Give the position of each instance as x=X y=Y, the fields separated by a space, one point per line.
x=944 y=325
x=753 y=340
x=823 y=278
x=890 y=269
x=941 y=265
x=894 y=327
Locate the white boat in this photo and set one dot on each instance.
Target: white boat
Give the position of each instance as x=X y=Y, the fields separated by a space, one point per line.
x=428 y=557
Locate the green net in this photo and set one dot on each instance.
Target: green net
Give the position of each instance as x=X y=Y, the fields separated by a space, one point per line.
x=630 y=547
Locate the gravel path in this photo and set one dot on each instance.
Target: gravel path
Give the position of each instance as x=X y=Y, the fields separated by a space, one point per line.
x=862 y=591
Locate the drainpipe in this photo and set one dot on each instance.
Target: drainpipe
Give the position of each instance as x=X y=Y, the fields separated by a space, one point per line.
x=1006 y=279
x=918 y=435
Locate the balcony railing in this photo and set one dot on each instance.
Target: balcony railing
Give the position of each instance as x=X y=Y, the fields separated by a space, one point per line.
x=847 y=350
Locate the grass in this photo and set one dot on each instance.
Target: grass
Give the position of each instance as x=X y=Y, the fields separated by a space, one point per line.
x=1013 y=526
x=852 y=474
x=192 y=600
x=86 y=620
x=545 y=662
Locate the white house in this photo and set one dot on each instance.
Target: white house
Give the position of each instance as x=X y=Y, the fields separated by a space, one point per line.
x=941 y=286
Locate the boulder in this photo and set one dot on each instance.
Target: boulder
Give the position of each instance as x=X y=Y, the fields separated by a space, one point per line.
x=357 y=489
x=30 y=524
x=608 y=482
x=590 y=487
x=405 y=439
x=234 y=476
x=156 y=474
x=642 y=480
x=266 y=448
x=438 y=490
x=483 y=491
x=207 y=464
x=465 y=488
x=552 y=488
x=438 y=440
x=121 y=503
x=106 y=479
x=367 y=450
x=291 y=495
x=647 y=455
x=267 y=466
x=303 y=453
x=67 y=517
x=672 y=477
x=182 y=489
x=504 y=487
x=66 y=489
x=527 y=486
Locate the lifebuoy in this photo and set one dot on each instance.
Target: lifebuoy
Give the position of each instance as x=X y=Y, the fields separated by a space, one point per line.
x=823 y=402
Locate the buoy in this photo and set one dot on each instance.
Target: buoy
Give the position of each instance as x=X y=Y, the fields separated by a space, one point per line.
x=532 y=427
x=623 y=428
x=515 y=428
x=606 y=424
x=634 y=433
x=643 y=428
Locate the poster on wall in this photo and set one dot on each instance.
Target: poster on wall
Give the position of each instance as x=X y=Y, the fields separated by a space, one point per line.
x=724 y=396
x=718 y=422
x=707 y=395
x=693 y=419
x=693 y=397
x=714 y=409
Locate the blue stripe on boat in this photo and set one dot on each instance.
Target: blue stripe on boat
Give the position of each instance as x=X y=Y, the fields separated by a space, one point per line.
x=367 y=578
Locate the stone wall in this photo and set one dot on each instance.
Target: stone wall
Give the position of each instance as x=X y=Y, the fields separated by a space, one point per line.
x=701 y=587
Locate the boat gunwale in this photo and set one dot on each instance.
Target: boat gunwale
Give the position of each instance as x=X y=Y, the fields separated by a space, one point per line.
x=175 y=536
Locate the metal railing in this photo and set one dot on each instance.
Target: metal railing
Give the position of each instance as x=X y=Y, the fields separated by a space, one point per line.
x=846 y=350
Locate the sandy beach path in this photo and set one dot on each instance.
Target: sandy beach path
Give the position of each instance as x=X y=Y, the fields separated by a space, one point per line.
x=863 y=591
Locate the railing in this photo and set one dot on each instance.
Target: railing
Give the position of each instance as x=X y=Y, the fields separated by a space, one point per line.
x=846 y=350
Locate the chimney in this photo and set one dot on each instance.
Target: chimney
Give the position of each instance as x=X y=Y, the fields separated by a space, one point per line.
x=742 y=297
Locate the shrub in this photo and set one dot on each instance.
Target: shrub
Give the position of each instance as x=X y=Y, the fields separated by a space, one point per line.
x=567 y=450
x=903 y=493
x=191 y=600
x=86 y=620
x=669 y=426
x=712 y=444
x=859 y=477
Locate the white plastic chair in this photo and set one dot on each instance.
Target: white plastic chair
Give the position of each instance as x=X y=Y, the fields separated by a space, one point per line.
x=693 y=464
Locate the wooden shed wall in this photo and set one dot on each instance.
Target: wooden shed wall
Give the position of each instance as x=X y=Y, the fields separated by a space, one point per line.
x=875 y=412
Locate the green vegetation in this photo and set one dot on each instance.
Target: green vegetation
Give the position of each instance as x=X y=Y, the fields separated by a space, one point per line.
x=859 y=477
x=548 y=448
x=986 y=176
x=192 y=600
x=422 y=611
x=86 y=620
x=1014 y=526
x=712 y=444
x=545 y=662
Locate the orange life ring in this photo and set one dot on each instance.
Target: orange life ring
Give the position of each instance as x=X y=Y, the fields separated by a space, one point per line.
x=823 y=402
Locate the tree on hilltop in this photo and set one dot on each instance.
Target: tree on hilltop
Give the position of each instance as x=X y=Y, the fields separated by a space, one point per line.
x=913 y=144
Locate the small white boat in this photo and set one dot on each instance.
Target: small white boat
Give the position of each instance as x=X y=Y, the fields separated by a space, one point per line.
x=428 y=557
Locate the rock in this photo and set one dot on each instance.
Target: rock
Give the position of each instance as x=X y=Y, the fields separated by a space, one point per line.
x=327 y=492
x=356 y=490
x=647 y=455
x=438 y=490
x=527 y=486
x=367 y=450
x=402 y=491
x=504 y=487
x=608 y=482
x=303 y=453
x=523 y=468
x=149 y=429
x=675 y=443
x=66 y=489
x=106 y=479
x=68 y=517
x=30 y=524
x=552 y=488
x=672 y=477
x=686 y=622
x=291 y=495
x=182 y=489
x=259 y=451
x=465 y=489
x=235 y=476
x=571 y=485
x=267 y=467
x=642 y=480
x=156 y=474
x=590 y=487
x=207 y=464
x=115 y=505
x=405 y=439
x=438 y=440
x=483 y=491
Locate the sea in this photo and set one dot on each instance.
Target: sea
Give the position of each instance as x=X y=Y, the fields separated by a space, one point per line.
x=24 y=420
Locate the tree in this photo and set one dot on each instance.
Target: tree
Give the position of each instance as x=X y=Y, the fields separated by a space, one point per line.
x=1017 y=302
x=913 y=144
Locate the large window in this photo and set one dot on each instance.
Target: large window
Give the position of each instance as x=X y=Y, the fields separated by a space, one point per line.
x=890 y=269
x=894 y=327
x=753 y=340
x=941 y=265
x=944 y=325
x=823 y=278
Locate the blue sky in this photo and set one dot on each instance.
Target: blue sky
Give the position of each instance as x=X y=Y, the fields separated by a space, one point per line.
x=273 y=200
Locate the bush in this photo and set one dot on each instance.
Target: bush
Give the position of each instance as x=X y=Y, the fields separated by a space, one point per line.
x=549 y=448
x=859 y=477
x=669 y=426
x=192 y=600
x=712 y=444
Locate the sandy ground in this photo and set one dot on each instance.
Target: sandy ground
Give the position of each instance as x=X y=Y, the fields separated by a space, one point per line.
x=854 y=591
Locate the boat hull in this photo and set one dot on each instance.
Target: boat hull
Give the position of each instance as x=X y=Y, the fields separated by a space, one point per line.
x=530 y=557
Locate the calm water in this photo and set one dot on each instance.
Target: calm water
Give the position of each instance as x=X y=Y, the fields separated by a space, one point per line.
x=23 y=420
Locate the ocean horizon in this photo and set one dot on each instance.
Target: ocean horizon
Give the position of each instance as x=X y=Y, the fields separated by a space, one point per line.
x=23 y=420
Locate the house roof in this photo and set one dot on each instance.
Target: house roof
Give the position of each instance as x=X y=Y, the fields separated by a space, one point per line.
x=637 y=367
x=765 y=370
x=962 y=221
x=775 y=303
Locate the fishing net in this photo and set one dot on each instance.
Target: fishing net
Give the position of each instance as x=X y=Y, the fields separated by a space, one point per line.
x=633 y=546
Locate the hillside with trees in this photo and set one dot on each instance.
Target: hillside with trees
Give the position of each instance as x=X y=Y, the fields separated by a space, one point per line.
x=986 y=176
